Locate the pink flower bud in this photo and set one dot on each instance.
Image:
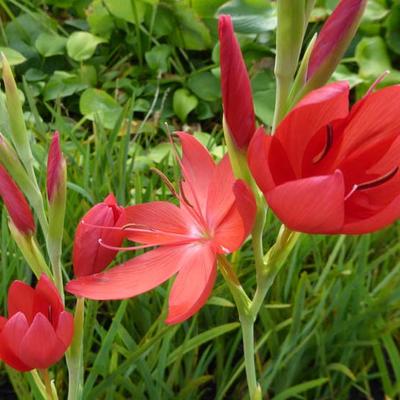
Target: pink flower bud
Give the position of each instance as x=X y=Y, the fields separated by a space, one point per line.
x=16 y=204
x=236 y=90
x=334 y=39
x=55 y=167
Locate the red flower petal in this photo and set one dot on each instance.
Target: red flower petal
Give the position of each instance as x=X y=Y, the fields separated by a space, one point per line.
x=47 y=300
x=375 y=120
x=16 y=204
x=21 y=299
x=237 y=224
x=36 y=353
x=165 y=223
x=65 y=328
x=10 y=340
x=198 y=168
x=235 y=84
x=88 y=256
x=316 y=110
x=193 y=284
x=220 y=197
x=134 y=277
x=311 y=205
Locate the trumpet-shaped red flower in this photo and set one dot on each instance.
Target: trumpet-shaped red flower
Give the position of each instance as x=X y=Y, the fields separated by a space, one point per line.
x=38 y=330
x=16 y=204
x=235 y=84
x=88 y=255
x=331 y=170
x=215 y=215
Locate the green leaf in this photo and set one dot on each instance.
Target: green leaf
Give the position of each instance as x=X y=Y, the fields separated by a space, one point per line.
x=263 y=86
x=49 y=44
x=184 y=103
x=13 y=56
x=250 y=16
x=99 y=19
x=393 y=29
x=158 y=57
x=96 y=103
x=204 y=85
x=128 y=10
x=292 y=392
x=62 y=84
x=82 y=45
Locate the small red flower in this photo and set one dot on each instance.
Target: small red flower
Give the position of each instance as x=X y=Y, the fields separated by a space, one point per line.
x=38 y=330
x=331 y=170
x=215 y=215
x=16 y=204
x=89 y=256
x=236 y=89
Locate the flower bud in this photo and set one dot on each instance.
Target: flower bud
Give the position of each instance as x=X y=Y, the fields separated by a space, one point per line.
x=89 y=256
x=16 y=204
x=56 y=169
x=235 y=84
x=333 y=41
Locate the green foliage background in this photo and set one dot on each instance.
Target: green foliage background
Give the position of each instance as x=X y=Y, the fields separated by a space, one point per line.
x=108 y=74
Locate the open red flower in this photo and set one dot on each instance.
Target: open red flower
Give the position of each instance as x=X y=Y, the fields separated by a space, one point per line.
x=38 y=330
x=331 y=170
x=215 y=216
x=88 y=255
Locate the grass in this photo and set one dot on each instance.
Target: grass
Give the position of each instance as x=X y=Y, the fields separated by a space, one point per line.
x=328 y=330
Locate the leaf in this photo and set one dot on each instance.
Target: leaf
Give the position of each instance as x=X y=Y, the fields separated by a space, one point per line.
x=82 y=45
x=99 y=19
x=393 y=29
x=250 y=16
x=96 y=103
x=302 y=387
x=263 y=86
x=13 y=56
x=128 y=10
x=158 y=57
x=49 y=44
x=62 y=84
x=204 y=85
x=184 y=103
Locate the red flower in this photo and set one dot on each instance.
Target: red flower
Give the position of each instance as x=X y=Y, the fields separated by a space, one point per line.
x=38 y=330
x=328 y=170
x=334 y=38
x=236 y=90
x=89 y=256
x=16 y=204
x=215 y=215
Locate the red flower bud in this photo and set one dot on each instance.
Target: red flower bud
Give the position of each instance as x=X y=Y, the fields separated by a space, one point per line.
x=55 y=166
x=16 y=204
x=89 y=256
x=236 y=90
x=333 y=40
x=38 y=330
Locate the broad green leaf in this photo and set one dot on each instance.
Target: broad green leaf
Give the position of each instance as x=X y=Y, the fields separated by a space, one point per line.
x=62 y=84
x=13 y=56
x=263 y=87
x=50 y=44
x=129 y=10
x=184 y=102
x=204 y=85
x=158 y=57
x=82 y=45
x=96 y=103
x=250 y=16
x=99 y=19
x=393 y=29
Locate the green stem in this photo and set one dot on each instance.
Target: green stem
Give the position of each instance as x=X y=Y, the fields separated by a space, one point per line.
x=247 y=325
x=47 y=383
x=75 y=354
x=283 y=84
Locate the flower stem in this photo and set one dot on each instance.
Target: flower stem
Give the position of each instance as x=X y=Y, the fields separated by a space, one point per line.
x=47 y=383
x=75 y=354
x=247 y=325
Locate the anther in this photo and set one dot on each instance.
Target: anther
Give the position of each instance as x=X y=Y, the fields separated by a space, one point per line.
x=328 y=145
x=379 y=181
